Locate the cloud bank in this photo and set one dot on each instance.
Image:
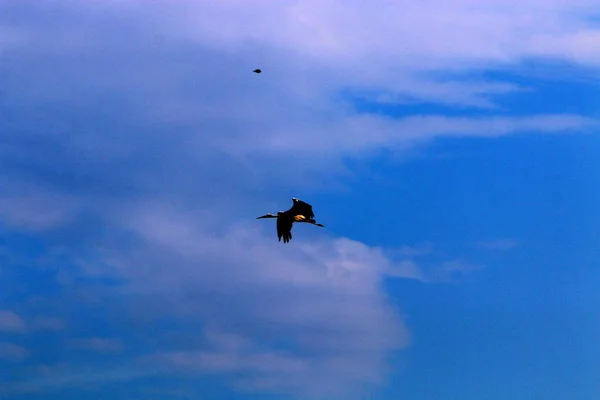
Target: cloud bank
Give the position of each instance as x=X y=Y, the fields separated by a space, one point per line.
x=136 y=141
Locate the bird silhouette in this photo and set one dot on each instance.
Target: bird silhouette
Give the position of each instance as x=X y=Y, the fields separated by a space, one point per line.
x=257 y=70
x=300 y=212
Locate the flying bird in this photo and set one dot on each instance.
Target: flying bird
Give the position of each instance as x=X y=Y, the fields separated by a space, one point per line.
x=257 y=70
x=300 y=212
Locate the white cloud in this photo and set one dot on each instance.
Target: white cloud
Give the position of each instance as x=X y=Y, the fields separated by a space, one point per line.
x=308 y=319
x=323 y=298
x=254 y=369
x=232 y=119
x=356 y=34
x=323 y=46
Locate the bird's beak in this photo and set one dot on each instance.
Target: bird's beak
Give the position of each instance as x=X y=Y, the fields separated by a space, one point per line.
x=264 y=216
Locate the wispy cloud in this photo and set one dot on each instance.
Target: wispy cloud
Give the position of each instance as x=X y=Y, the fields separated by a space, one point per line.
x=13 y=352
x=101 y=345
x=406 y=269
x=11 y=322
x=445 y=272
x=11 y=38
x=65 y=376
x=35 y=212
x=48 y=323
x=500 y=244
x=414 y=251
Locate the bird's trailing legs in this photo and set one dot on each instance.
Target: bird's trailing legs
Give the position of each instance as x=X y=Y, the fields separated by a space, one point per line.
x=302 y=218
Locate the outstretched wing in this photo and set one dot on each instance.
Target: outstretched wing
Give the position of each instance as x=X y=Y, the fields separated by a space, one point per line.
x=284 y=228
x=302 y=208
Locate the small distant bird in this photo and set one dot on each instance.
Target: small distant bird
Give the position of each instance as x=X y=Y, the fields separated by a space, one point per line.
x=300 y=212
x=257 y=71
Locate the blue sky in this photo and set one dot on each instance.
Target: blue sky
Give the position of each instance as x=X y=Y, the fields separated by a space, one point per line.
x=450 y=148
